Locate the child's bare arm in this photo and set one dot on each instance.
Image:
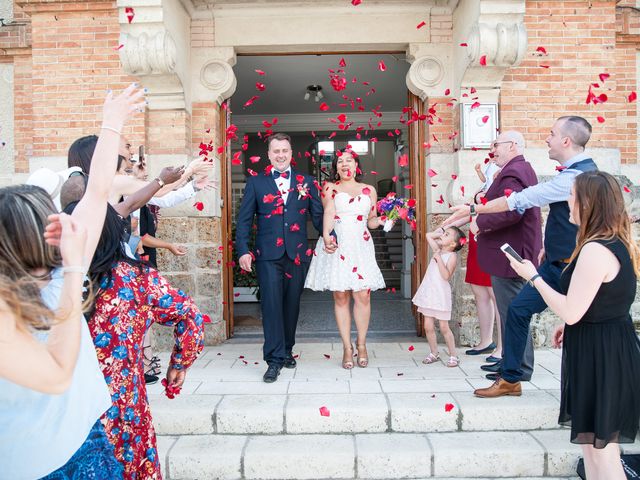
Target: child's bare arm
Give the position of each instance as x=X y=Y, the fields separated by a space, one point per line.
x=431 y=239
x=446 y=270
x=481 y=176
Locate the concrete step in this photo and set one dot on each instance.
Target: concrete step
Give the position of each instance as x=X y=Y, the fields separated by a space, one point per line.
x=352 y=413
x=541 y=454
x=395 y=419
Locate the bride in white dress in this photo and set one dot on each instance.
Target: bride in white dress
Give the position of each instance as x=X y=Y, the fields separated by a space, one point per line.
x=351 y=270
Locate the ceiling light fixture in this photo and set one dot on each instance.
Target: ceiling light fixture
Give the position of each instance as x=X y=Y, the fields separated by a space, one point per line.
x=316 y=91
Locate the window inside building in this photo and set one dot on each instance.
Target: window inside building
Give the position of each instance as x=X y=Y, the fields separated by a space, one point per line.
x=361 y=147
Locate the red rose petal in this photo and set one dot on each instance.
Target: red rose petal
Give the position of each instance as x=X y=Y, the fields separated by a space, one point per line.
x=327 y=356
x=403 y=160
x=260 y=86
x=541 y=50
x=507 y=192
x=432 y=173
x=483 y=60
x=324 y=107
x=381 y=66
x=448 y=407
x=485 y=119
x=600 y=119
x=604 y=76
x=421 y=24
x=632 y=97
x=626 y=189
x=447 y=92
x=130 y=13
x=453 y=176
x=324 y=411
x=199 y=206
x=411 y=348
x=259 y=72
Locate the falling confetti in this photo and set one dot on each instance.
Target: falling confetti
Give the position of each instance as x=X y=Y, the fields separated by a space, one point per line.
x=130 y=14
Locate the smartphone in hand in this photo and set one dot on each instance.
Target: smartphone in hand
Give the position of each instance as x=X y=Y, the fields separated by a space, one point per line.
x=508 y=250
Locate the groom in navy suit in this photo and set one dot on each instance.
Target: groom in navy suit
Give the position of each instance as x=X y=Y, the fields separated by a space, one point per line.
x=281 y=199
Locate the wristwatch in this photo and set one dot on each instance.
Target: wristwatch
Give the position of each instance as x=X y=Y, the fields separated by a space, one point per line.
x=160 y=182
x=472 y=210
x=533 y=279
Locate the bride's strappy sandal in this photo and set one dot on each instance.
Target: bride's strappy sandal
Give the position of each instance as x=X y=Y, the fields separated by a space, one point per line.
x=363 y=358
x=347 y=357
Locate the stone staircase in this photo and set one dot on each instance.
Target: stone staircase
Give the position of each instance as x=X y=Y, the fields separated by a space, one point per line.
x=396 y=419
x=388 y=247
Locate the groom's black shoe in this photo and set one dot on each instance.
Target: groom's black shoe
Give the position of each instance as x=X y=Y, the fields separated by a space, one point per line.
x=271 y=375
x=494 y=368
x=290 y=362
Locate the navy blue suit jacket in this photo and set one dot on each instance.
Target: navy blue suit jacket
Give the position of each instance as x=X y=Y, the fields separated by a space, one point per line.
x=280 y=230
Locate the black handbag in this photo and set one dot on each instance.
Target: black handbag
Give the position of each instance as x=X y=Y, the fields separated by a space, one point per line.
x=630 y=464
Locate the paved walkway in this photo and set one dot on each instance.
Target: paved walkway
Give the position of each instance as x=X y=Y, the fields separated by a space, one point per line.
x=237 y=368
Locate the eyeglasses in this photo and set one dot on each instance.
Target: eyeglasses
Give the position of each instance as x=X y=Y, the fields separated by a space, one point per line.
x=495 y=144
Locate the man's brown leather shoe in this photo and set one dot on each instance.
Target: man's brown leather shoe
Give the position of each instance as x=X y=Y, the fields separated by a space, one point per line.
x=500 y=388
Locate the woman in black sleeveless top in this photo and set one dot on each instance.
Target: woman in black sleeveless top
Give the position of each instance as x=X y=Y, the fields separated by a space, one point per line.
x=600 y=396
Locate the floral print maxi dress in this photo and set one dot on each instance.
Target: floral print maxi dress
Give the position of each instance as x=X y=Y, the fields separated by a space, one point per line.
x=125 y=309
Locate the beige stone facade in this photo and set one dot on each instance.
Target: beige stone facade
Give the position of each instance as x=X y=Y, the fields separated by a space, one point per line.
x=58 y=57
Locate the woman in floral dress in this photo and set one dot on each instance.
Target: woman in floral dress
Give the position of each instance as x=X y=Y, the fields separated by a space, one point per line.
x=130 y=297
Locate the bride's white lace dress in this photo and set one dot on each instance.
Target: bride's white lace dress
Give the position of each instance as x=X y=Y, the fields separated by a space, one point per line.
x=353 y=265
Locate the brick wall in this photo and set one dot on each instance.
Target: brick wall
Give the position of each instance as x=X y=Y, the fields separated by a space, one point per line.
x=580 y=39
x=202 y=33
x=74 y=62
x=444 y=132
x=440 y=29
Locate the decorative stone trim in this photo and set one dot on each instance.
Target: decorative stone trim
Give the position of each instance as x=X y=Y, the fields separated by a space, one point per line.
x=148 y=54
x=218 y=76
x=504 y=44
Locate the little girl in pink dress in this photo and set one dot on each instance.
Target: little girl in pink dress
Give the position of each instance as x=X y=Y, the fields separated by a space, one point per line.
x=433 y=297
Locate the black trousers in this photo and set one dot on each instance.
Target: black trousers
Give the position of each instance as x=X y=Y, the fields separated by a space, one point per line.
x=281 y=284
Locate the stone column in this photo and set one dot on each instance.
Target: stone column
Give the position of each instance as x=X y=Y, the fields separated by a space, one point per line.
x=496 y=40
x=183 y=112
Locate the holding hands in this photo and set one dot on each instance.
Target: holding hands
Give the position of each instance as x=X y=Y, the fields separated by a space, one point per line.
x=330 y=243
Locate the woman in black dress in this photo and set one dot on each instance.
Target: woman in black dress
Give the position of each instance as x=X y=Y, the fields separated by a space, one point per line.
x=600 y=396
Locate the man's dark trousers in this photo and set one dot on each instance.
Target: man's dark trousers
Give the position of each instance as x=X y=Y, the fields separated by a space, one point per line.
x=506 y=289
x=281 y=284
x=522 y=308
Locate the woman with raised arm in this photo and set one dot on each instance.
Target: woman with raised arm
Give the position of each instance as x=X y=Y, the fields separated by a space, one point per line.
x=600 y=384
x=43 y=434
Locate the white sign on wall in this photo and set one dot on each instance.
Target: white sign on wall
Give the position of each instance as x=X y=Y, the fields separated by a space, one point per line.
x=478 y=124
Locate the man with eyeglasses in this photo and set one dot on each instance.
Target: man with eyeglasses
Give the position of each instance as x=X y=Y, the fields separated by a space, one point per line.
x=566 y=141
x=520 y=229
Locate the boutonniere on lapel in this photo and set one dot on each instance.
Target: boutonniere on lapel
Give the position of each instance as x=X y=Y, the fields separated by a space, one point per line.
x=303 y=189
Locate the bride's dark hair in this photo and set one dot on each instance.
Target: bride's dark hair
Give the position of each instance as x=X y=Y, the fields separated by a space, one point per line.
x=333 y=175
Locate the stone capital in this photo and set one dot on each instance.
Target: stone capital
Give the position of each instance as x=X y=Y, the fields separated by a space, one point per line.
x=496 y=40
x=213 y=75
x=150 y=46
x=428 y=74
